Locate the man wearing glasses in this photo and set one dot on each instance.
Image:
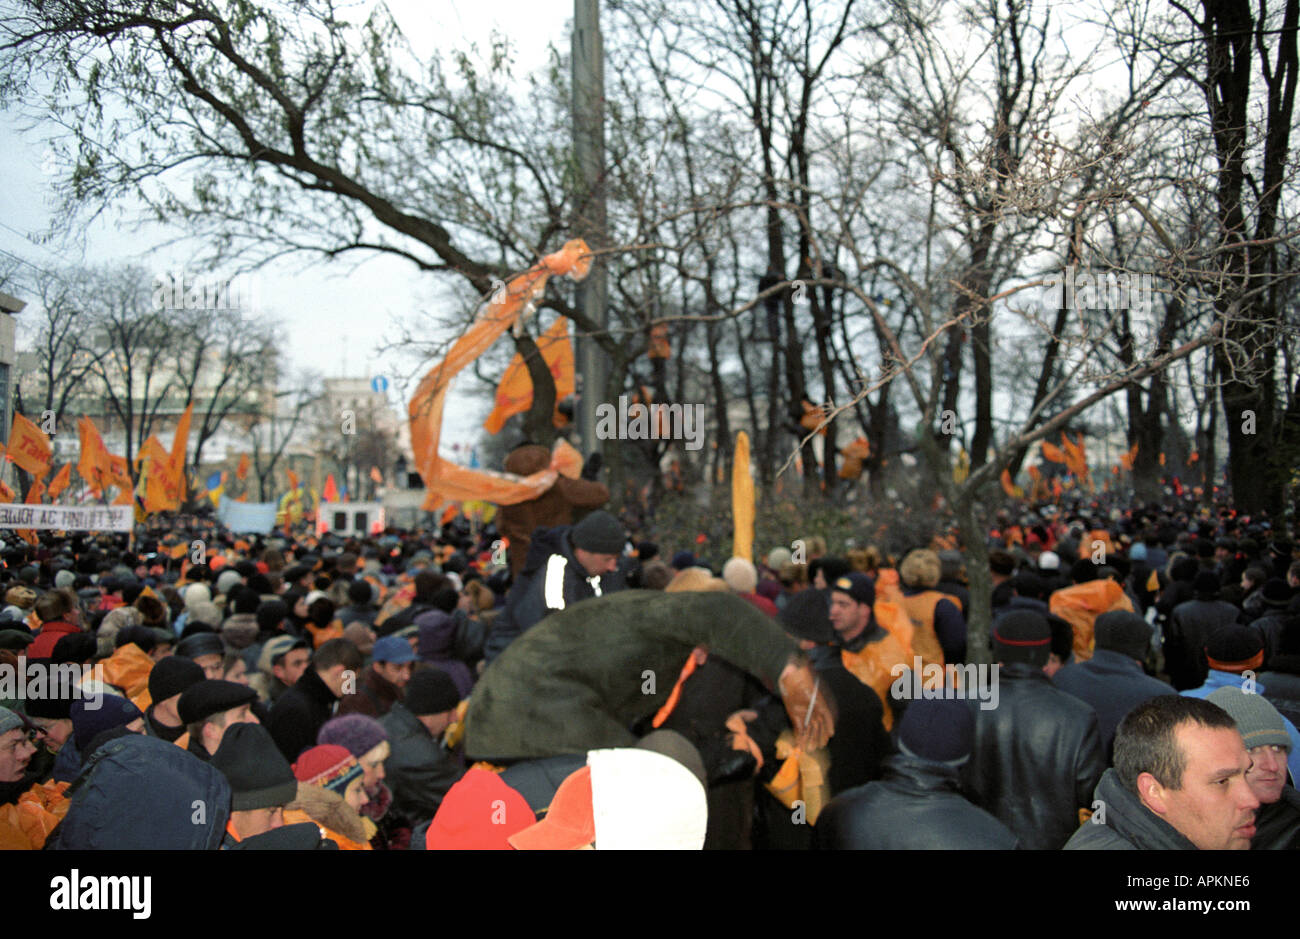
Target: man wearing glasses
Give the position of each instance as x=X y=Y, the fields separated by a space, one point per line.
x=17 y=745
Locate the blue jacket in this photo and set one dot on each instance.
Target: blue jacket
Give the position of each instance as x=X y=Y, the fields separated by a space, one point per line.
x=1113 y=684
x=1218 y=679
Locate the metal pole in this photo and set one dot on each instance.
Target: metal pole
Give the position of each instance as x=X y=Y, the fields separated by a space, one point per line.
x=589 y=153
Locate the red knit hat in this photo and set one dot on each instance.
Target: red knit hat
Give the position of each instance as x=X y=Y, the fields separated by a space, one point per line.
x=329 y=766
x=479 y=813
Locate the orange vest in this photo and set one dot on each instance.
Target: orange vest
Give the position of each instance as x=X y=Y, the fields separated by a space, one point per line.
x=920 y=610
x=1081 y=604
x=873 y=666
x=323 y=634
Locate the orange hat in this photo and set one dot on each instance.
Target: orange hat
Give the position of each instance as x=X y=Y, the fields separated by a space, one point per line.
x=570 y=823
x=479 y=813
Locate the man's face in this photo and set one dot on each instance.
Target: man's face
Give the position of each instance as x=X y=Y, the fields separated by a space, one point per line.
x=161 y=651
x=211 y=665
x=596 y=564
x=292 y=666
x=1215 y=808
x=257 y=821
x=16 y=751
x=1267 y=775
x=397 y=674
x=437 y=724
x=848 y=616
x=216 y=728
x=57 y=731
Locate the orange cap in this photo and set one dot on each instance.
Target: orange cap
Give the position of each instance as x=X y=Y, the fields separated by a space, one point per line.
x=570 y=824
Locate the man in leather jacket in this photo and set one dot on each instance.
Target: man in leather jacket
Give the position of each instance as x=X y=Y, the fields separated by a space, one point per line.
x=1037 y=755
x=918 y=804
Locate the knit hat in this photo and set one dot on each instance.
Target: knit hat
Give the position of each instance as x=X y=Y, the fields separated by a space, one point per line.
x=329 y=766
x=1206 y=585
x=1049 y=561
x=197 y=593
x=741 y=575
x=394 y=650
x=88 y=723
x=858 y=586
x=228 y=580
x=172 y=676
x=682 y=560
x=777 y=558
x=202 y=643
x=10 y=720
x=356 y=733
x=1123 y=632
x=479 y=813
x=1022 y=636
x=203 y=613
x=807 y=615
x=1258 y=720
x=64 y=578
x=49 y=708
x=361 y=634
x=938 y=729
x=599 y=533
x=431 y=691
x=277 y=646
x=74 y=647
x=259 y=775
x=212 y=696
x=1235 y=648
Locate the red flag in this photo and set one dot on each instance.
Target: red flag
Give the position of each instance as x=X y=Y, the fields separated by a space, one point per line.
x=331 y=491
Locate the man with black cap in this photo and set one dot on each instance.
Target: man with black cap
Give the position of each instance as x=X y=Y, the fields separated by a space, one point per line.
x=208 y=708
x=1037 y=755
x=868 y=650
x=167 y=681
x=582 y=565
x=918 y=804
x=1190 y=625
x=301 y=711
x=261 y=785
x=1113 y=681
x=206 y=650
x=419 y=770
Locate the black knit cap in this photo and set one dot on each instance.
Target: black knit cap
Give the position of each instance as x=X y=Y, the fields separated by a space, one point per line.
x=1022 y=636
x=431 y=691
x=172 y=676
x=807 y=615
x=937 y=729
x=1234 y=643
x=1123 y=632
x=1276 y=593
x=74 y=647
x=1206 y=585
x=49 y=708
x=203 y=643
x=857 y=585
x=259 y=775
x=212 y=696
x=599 y=533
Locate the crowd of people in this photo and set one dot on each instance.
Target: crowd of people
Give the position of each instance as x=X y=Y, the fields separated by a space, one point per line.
x=422 y=691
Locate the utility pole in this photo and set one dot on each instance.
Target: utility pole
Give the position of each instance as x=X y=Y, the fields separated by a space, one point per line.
x=589 y=152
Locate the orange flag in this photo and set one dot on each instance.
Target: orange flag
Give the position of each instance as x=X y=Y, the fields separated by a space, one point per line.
x=1010 y=489
x=1126 y=459
x=152 y=449
x=451 y=512
x=60 y=481
x=29 y=447
x=6 y=494
x=515 y=393
x=241 y=471
x=293 y=480
x=1052 y=452
x=1162 y=459
x=93 y=464
x=176 y=459
x=34 y=493
x=442 y=477
x=376 y=476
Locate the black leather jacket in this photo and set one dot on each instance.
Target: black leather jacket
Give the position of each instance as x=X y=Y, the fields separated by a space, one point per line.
x=1037 y=758
x=917 y=806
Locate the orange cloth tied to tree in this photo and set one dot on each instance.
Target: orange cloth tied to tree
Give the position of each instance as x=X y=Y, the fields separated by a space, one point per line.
x=442 y=478
x=515 y=393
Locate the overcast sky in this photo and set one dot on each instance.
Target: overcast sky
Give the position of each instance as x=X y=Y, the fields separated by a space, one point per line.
x=337 y=318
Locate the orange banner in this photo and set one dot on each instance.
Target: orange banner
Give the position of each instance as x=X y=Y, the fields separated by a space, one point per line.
x=444 y=479
x=93 y=464
x=29 y=447
x=515 y=393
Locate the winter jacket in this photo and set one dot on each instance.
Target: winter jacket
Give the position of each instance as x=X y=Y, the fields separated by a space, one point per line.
x=581 y=678
x=1120 y=822
x=1112 y=684
x=339 y=822
x=552 y=508
x=357 y=614
x=860 y=743
x=1217 y=679
x=139 y=793
x=419 y=770
x=1270 y=627
x=300 y=713
x=42 y=646
x=1277 y=825
x=557 y=582
x=153 y=728
x=1036 y=759
x=1190 y=625
x=916 y=806
x=437 y=638
x=240 y=630
x=374 y=697
x=1282 y=683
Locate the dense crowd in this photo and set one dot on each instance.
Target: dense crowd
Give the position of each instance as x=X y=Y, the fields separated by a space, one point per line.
x=430 y=691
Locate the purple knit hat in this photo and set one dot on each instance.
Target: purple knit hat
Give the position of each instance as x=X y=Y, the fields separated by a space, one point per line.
x=356 y=733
